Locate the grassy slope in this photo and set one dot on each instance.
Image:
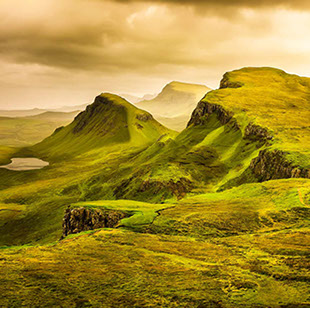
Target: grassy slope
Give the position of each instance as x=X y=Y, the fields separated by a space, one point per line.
x=226 y=249
x=173 y=106
x=275 y=100
x=25 y=131
x=230 y=248
x=208 y=156
x=110 y=121
x=43 y=194
x=5 y=154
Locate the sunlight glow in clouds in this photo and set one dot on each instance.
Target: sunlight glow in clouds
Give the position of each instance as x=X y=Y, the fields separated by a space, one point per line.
x=55 y=53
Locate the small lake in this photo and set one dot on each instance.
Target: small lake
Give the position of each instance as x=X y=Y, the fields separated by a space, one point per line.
x=25 y=164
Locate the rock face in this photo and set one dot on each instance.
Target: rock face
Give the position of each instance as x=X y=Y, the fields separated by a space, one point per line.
x=84 y=219
x=227 y=83
x=257 y=133
x=177 y=188
x=273 y=165
x=252 y=131
x=204 y=109
x=144 y=117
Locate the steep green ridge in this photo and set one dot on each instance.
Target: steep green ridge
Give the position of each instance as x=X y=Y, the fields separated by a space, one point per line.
x=28 y=130
x=266 y=105
x=272 y=99
x=173 y=106
x=109 y=121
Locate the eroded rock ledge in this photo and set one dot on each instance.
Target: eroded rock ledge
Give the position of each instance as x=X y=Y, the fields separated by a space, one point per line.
x=177 y=188
x=144 y=117
x=257 y=133
x=273 y=165
x=84 y=219
x=227 y=83
x=204 y=109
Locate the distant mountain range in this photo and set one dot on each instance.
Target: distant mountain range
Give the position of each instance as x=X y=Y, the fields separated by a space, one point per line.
x=134 y=99
x=28 y=130
x=175 y=103
x=172 y=107
x=36 y=111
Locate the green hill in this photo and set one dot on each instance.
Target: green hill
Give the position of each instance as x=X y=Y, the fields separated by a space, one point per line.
x=173 y=106
x=265 y=106
x=109 y=121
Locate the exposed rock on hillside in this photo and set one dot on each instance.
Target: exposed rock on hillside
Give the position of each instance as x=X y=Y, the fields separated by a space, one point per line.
x=204 y=109
x=177 y=188
x=256 y=132
x=227 y=83
x=83 y=219
x=144 y=117
x=152 y=187
x=273 y=165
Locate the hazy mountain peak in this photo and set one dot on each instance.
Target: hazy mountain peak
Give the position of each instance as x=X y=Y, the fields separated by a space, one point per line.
x=175 y=103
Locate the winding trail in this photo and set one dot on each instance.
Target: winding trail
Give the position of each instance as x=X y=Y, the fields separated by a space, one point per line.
x=301 y=199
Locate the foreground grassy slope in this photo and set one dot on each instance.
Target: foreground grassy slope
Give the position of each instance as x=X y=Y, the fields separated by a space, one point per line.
x=28 y=130
x=217 y=250
x=274 y=100
x=173 y=106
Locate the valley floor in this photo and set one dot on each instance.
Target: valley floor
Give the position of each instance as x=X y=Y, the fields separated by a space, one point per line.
x=244 y=247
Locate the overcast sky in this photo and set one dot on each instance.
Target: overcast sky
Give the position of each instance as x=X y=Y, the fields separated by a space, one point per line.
x=65 y=52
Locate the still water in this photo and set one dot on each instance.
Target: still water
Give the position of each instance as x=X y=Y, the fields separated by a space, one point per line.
x=25 y=164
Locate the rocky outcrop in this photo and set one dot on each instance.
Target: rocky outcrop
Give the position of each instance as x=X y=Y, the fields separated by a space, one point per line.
x=84 y=219
x=255 y=132
x=177 y=188
x=273 y=165
x=252 y=131
x=204 y=109
x=144 y=117
x=138 y=126
x=227 y=83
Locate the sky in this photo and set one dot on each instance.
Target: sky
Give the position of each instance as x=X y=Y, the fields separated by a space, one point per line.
x=65 y=52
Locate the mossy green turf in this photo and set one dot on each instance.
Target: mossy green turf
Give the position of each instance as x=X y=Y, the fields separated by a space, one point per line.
x=246 y=247
x=274 y=100
x=243 y=247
